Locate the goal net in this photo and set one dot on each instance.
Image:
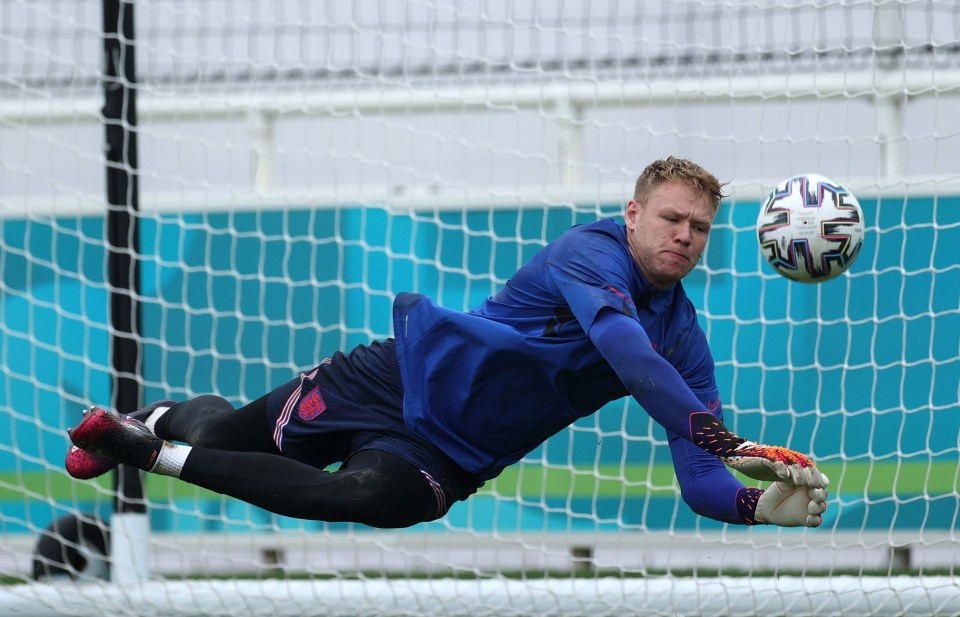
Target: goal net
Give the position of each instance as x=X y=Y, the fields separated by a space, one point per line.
x=300 y=163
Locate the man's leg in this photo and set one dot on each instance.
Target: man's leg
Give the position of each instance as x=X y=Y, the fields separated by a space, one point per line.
x=211 y=421
x=208 y=421
x=373 y=487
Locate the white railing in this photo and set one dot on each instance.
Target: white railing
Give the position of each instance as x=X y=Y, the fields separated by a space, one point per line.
x=890 y=90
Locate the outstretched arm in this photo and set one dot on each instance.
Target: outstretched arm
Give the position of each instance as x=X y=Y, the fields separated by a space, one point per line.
x=660 y=389
x=710 y=490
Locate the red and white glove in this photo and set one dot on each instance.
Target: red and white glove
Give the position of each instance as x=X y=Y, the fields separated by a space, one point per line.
x=773 y=463
x=770 y=463
x=788 y=505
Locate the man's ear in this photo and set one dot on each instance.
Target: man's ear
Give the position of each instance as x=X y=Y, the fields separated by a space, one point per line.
x=630 y=212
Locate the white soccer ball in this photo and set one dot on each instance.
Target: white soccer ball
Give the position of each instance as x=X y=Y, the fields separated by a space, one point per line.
x=810 y=228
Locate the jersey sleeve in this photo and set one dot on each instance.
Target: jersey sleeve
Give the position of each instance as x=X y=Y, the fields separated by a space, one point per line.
x=707 y=486
x=649 y=377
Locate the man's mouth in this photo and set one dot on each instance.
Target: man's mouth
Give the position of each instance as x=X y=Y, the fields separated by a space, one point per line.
x=677 y=256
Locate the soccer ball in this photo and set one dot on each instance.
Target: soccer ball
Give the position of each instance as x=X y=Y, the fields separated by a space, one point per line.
x=810 y=228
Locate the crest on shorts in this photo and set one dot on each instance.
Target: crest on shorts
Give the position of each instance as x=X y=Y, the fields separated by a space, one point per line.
x=312 y=405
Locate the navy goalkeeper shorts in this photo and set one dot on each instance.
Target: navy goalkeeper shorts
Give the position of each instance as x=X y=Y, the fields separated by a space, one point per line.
x=354 y=402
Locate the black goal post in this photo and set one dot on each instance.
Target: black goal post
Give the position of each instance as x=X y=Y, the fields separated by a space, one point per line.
x=123 y=246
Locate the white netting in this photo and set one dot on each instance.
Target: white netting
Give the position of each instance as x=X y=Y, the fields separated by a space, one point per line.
x=300 y=163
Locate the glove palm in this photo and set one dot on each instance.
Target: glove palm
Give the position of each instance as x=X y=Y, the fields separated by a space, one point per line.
x=788 y=505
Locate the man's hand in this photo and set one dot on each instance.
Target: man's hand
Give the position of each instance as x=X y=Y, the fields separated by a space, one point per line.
x=773 y=463
x=788 y=505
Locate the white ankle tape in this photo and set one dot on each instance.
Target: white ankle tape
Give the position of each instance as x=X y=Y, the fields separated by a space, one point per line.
x=151 y=420
x=171 y=459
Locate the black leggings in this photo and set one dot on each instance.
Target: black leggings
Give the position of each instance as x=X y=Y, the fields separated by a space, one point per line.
x=234 y=454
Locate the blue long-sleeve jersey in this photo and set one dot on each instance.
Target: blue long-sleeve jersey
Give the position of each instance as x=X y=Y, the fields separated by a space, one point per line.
x=576 y=327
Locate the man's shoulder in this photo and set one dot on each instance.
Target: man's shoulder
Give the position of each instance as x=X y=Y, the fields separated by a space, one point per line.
x=602 y=238
x=607 y=227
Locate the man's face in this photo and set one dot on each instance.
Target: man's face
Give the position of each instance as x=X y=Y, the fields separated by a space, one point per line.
x=668 y=232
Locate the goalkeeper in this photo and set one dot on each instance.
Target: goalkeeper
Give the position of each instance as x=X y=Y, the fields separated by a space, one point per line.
x=423 y=419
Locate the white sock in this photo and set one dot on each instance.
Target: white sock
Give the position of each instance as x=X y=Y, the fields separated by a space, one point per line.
x=171 y=459
x=151 y=420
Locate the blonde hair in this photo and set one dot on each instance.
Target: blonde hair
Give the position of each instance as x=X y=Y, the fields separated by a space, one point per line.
x=679 y=170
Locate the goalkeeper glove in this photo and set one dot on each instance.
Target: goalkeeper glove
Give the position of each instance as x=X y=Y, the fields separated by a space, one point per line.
x=788 y=505
x=769 y=463
x=773 y=463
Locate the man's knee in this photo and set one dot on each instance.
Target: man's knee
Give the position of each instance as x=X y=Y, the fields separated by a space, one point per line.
x=205 y=418
x=381 y=500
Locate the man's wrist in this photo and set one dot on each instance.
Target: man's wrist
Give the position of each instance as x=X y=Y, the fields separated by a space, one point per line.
x=747 y=499
x=709 y=433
